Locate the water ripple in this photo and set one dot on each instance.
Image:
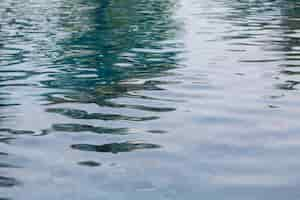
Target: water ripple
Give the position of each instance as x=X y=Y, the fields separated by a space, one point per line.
x=211 y=87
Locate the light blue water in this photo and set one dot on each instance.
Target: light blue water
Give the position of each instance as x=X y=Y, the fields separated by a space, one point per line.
x=156 y=99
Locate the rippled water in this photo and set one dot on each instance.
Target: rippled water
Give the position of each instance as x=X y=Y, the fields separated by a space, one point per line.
x=156 y=99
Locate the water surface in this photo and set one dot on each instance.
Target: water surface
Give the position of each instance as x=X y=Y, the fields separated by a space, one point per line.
x=157 y=99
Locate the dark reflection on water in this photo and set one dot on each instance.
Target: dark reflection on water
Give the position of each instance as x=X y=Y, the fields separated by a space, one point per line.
x=89 y=163
x=211 y=88
x=85 y=68
x=79 y=128
x=116 y=46
x=79 y=114
x=7 y=181
x=114 y=147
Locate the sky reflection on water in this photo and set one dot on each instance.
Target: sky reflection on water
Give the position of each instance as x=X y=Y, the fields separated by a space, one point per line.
x=156 y=99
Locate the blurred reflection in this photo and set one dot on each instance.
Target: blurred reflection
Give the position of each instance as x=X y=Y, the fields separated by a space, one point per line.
x=8 y=181
x=271 y=26
x=290 y=46
x=111 y=49
x=58 y=58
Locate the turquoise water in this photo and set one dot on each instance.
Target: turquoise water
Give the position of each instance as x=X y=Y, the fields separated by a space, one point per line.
x=157 y=99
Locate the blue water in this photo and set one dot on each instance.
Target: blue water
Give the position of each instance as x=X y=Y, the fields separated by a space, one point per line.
x=156 y=99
